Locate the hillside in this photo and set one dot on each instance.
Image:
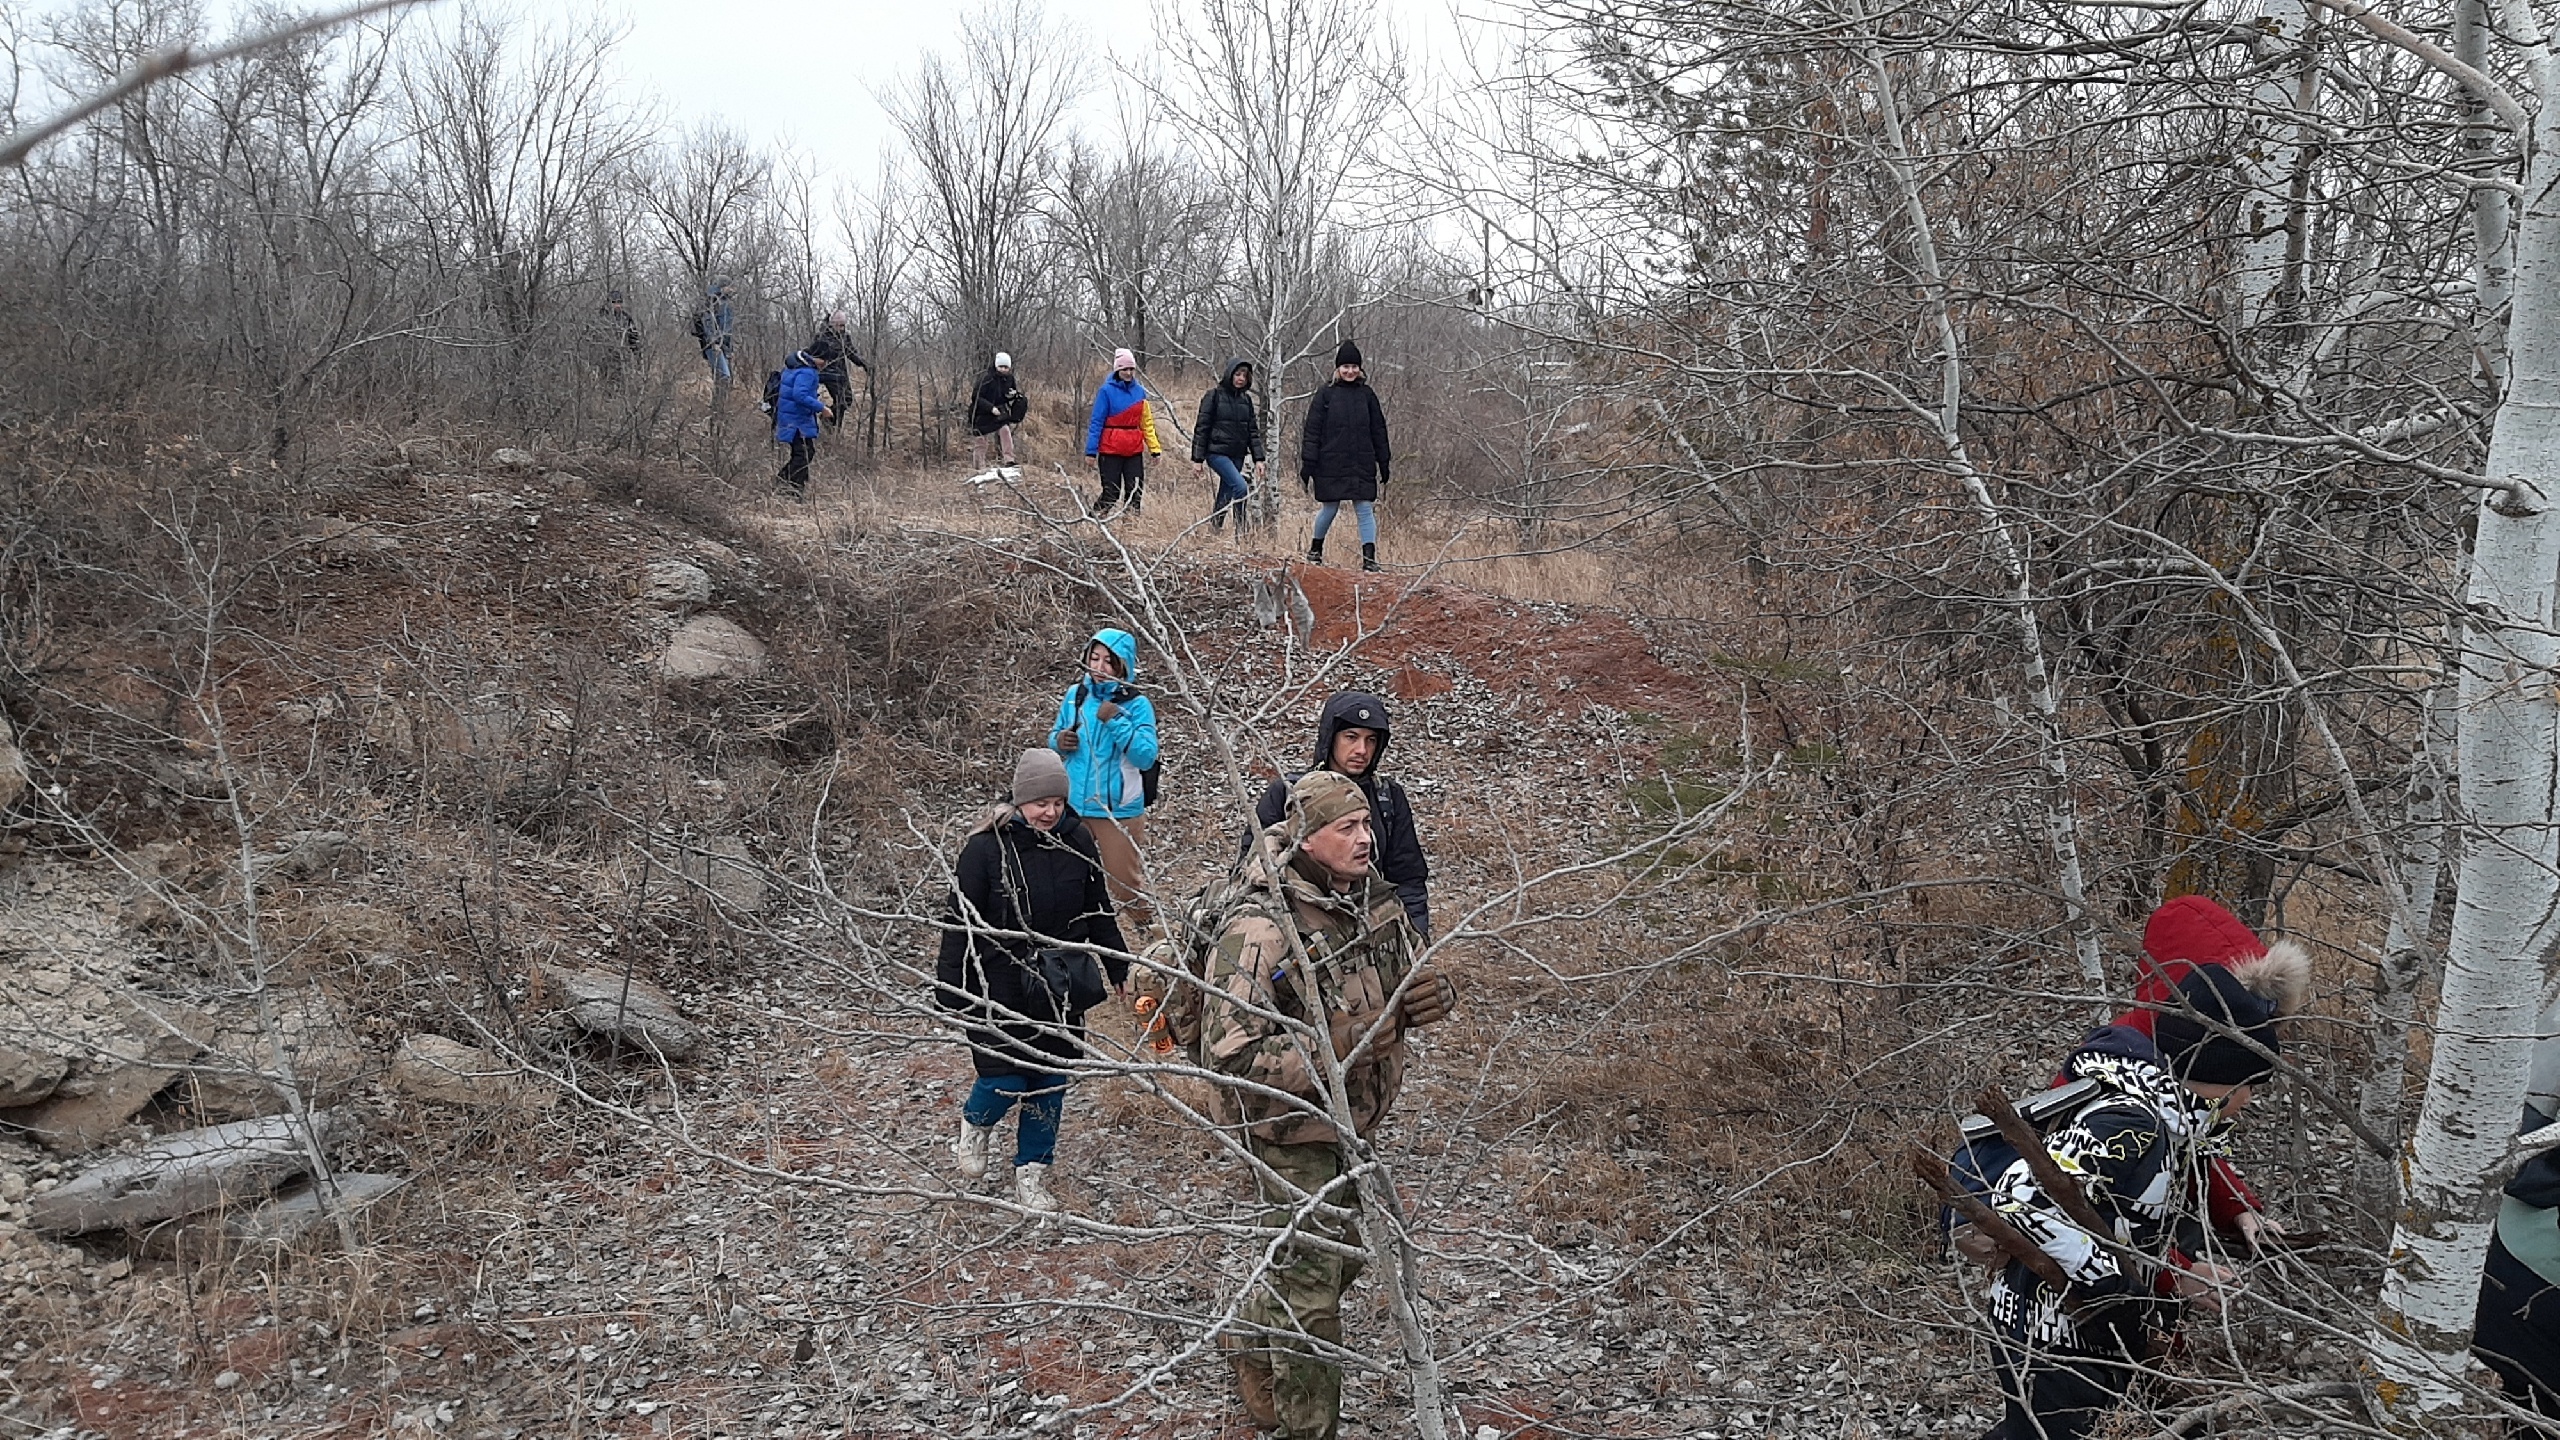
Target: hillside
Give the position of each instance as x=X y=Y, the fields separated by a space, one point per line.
x=340 y=779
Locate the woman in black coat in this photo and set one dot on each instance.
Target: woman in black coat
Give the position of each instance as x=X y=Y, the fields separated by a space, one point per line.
x=1342 y=454
x=1229 y=432
x=1031 y=867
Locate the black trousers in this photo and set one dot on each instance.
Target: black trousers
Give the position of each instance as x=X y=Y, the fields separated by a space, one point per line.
x=1124 y=482
x=795 y=471
x=2054 y=1394
x=840 y=393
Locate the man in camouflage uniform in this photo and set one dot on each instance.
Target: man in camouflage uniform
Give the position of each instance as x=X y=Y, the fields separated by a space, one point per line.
x=1313 y=967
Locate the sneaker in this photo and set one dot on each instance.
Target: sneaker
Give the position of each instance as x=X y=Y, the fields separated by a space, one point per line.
x=1031 y=1188
x=970 y=1150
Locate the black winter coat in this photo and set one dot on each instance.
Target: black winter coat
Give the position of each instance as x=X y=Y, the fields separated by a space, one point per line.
x=1013 y=877
x=1343 y=450
x=1229 y=424
x=833 y=350
x=1398 y=855
x=998 y=403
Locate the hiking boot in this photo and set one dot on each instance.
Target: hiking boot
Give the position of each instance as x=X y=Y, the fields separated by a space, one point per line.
x=1031 y=1188
x=970 y=1150
x=1315 y=552
x=1254 y=1385
x=1369 y=558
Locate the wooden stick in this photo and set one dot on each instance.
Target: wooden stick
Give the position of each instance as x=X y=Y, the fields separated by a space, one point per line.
x=1932 y=1171
x=2064 y=1189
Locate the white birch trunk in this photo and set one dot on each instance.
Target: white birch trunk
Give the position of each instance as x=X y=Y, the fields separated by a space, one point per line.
x=2274 y=180
x=2403 y=967
x=2486 y=1018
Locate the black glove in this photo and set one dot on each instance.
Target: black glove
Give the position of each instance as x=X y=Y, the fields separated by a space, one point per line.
x=1382 y=475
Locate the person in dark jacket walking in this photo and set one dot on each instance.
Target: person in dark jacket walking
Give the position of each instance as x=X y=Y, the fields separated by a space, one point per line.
x=1030 y=868
x=1229 y=432
x=997 y=406
x=1351 y=738
x=833 y=348
x=798 y=405
x=1342 y=455
x=715 y=329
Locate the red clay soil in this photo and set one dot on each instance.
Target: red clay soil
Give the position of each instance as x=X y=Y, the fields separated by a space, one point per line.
x=1563 y=659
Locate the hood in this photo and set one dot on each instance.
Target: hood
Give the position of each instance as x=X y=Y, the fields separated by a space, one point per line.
x=1350 y=708
x=2123 y=1059
x=1227 y=377
x=799 y=360
x=1120 y=643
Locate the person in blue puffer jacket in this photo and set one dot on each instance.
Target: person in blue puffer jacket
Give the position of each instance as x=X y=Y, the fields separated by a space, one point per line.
x=1106 y=731
x=798 y=404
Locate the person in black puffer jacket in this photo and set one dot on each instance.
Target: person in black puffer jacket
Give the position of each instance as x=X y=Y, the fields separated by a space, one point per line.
x=1030 y=867
x=1351 y=738
x=995 y=407
x=1229 y=432
x=1342 y=454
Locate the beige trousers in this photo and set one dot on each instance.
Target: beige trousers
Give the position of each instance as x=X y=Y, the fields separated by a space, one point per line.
x=1120 y=841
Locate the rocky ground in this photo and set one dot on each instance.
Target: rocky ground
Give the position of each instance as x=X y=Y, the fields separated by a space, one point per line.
x=634 y=1033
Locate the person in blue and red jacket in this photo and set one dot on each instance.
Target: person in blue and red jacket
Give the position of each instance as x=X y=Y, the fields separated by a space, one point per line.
x=1121 y=434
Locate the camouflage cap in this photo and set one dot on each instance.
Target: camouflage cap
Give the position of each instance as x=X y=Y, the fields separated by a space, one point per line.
x=1321 y=797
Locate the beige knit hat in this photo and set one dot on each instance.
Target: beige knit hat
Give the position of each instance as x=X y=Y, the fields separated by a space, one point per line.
x=1321 y=797
x=1039 y=775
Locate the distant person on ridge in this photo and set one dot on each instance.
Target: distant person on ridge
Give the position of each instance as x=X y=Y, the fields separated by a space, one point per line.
x=995 y=408
x=837 y=360
x=799 y=403
x=714 y=323
x=1342 y=455
x=1120 y=435
x=1229 y=432
x=1351 y=738
x=617 y=334
x=1106 y=731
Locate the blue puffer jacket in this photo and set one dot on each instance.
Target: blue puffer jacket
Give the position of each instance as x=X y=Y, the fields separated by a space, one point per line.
x=1103 y=774
x=796 y=407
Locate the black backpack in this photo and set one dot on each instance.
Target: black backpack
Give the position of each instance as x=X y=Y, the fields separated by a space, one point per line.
x=701 y=335
x=772 y=392
x=1983 y=1155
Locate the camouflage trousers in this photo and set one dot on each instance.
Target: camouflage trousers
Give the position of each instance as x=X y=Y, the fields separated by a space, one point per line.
x=1303 y=1291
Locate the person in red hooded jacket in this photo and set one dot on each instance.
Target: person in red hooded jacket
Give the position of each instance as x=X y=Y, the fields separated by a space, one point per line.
x=2189 y=932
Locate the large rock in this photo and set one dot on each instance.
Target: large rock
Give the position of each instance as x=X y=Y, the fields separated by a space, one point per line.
x=13 y=766
x=710 y=647
x=110 y=1086
x=675 y=585
x=288 y=1219
x=27 y=1076
x=432 y=1067
x=632 y=1012
x=186 y=1173
x=510 y=458
x=724 y=866
x=235 y=1078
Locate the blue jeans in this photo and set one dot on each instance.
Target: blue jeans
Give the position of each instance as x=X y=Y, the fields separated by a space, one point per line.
x=1367 y=512
x=1231 y=490
x=719 y=359
x=1035 y=1141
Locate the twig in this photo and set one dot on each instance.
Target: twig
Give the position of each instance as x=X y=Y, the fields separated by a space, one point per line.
x=178 y=60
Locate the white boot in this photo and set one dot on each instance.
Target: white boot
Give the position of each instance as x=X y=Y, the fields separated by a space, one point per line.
x=970 y=1150
x=1031 y=1188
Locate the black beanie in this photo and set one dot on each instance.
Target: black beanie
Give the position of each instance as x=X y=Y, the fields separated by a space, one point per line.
x=1349 y=354
x=2196 y=1049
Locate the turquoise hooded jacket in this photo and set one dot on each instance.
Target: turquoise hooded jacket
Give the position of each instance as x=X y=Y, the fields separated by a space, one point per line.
x=1104 y=774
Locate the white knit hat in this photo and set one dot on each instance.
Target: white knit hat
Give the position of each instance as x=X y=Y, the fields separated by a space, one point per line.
x=1003 y=361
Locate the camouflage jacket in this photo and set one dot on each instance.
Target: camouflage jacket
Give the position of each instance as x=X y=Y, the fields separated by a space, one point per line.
x=1360 y=944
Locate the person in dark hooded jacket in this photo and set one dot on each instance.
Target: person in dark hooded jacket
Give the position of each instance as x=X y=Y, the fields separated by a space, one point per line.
x=2065 y=1357
x=1351 y=738
x=1342 y=454
x=995 y=408
x=1030 y=868
x=832 y=347
x=1229 y=433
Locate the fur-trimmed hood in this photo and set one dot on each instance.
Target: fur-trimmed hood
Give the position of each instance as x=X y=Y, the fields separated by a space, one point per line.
x=2192 y=930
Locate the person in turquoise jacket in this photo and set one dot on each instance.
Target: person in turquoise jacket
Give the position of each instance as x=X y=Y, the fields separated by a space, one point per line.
x=1106 y=731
